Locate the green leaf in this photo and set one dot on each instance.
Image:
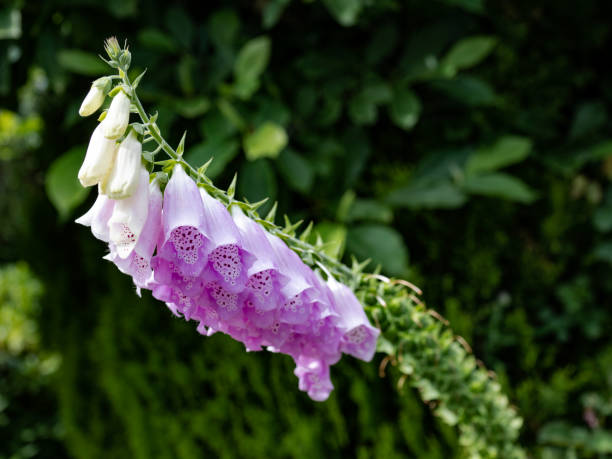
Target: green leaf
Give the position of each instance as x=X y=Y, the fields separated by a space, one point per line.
x=61 y=183
x=499 y=185
x=440 y=194
x=272 y=12
x=382 y=244
x=369 y=209
x=10 y=23
x=296 y=170
x=81 y=62
x=250 y=64
x=157 y=40
x=221 y=150
x=333 y=236
x=266 y=141
x=405 y=108
x=505 y=151
x=181 y=25
x=363 y=107
x=191 y=107
x=223 y=27
x=467 y=53
x=468 y=90
x=345 y=11
x=256 y=181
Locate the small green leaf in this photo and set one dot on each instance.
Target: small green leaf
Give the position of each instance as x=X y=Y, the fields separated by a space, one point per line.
x=363 y=107
x=467 y=53
x=223 y=27
x=405 y=108
x=345 y=11
x=252 y=60
x=468 y=90
x=382 y=244
x=61 y=183
x=504 y=152
x=157 y=40
x=266 y=141
x=441 y=194
x=296 y=170
x=499 y=185
x=272 y=12
x=369 y=210
x=257 y=181
x=81 y=62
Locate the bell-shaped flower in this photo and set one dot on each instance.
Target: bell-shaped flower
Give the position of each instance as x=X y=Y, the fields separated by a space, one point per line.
x=265 y=281
x=228 y=261
x=123 y=178
x=359 y=336
x=97 y=217
x=99 y=158
x=95 y=97
x=129 y=218
x=313 y=375
x=138 y=263
x=117 y=117
x=183 y=242
x=299 y=292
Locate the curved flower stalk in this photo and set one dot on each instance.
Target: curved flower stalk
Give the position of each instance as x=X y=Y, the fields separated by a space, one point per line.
x=261 y=289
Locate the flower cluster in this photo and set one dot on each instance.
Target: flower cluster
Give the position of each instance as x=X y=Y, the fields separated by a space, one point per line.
x=215 y=266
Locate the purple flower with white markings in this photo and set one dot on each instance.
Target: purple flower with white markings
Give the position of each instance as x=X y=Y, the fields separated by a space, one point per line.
x=224 y=271
x=183 y=242
x=358 y=335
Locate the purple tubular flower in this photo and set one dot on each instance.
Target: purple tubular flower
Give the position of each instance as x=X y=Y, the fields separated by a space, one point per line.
x=183 y=241
x=98 y=216
x=228 y=260
x=358 y=336
x=300 y=292
x=138 y=262
x=265 y=281
x=313 y=375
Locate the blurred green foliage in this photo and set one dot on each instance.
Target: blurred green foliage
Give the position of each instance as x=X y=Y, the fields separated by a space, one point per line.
x=462 y=145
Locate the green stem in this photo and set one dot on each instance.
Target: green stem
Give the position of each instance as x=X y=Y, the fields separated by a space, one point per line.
x=309 y=253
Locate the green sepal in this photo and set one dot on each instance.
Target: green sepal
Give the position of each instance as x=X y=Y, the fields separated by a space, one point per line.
x=272 y=214
x=231 y=190
x=181 y=146
x=136 y=81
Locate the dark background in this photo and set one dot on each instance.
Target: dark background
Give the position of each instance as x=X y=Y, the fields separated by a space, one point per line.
x=463 y=145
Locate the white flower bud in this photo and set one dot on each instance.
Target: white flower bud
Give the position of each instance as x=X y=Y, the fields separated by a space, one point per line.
x=95 y=97
x=117 y=117
x=123 y=179
x=98 y=159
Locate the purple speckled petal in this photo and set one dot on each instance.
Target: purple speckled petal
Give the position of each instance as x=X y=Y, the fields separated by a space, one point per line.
x=313 y=376
x=184 y=240
x=359 y=336
x=229 y=261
